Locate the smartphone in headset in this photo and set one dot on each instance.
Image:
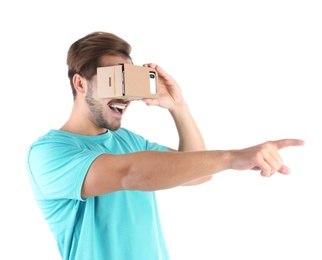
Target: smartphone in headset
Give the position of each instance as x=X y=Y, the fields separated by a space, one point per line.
x=153 y=83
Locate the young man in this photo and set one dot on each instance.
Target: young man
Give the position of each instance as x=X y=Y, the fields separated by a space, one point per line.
x=94 y=181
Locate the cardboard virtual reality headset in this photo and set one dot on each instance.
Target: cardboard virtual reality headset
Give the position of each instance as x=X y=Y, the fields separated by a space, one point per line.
x=127 y=81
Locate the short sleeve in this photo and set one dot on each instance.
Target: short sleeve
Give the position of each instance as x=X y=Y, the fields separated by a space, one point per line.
x=57 y=169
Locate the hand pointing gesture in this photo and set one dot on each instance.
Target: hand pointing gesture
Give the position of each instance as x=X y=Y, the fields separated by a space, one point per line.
x=263 y=157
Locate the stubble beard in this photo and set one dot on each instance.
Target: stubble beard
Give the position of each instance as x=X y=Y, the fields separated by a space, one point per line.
x=96 y=113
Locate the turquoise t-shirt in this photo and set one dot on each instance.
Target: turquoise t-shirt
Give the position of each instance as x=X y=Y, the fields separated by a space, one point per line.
x=122 y=225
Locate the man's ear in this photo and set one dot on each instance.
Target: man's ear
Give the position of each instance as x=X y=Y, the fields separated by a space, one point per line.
x=79 y=83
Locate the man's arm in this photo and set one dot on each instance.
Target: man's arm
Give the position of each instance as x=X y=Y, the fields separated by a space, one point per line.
x=155 y=170
x=171 y=98
x=190 y=137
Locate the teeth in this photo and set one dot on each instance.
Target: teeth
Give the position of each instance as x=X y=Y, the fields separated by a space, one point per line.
x=118 y=106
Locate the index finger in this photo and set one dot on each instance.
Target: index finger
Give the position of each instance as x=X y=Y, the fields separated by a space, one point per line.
x=288 y=142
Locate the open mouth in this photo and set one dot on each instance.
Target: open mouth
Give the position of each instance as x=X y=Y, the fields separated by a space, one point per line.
x=118 y=107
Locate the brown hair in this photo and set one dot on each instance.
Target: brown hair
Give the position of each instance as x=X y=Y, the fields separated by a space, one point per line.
x=85 y=54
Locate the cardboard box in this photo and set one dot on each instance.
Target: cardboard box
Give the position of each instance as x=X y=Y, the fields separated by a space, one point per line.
x=127 y=81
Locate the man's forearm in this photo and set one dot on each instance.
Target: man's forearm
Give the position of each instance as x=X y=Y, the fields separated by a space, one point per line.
x=190 y=138
x=163 y=170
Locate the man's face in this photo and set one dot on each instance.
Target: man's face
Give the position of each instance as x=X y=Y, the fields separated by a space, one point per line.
x=106 y=112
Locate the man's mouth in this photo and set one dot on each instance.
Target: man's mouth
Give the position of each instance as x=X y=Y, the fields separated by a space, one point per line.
x=119 y=108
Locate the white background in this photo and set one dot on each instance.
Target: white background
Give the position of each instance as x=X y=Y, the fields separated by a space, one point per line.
x=250 y=71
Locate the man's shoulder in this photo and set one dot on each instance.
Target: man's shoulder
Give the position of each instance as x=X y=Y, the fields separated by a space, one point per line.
x=53 y=136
